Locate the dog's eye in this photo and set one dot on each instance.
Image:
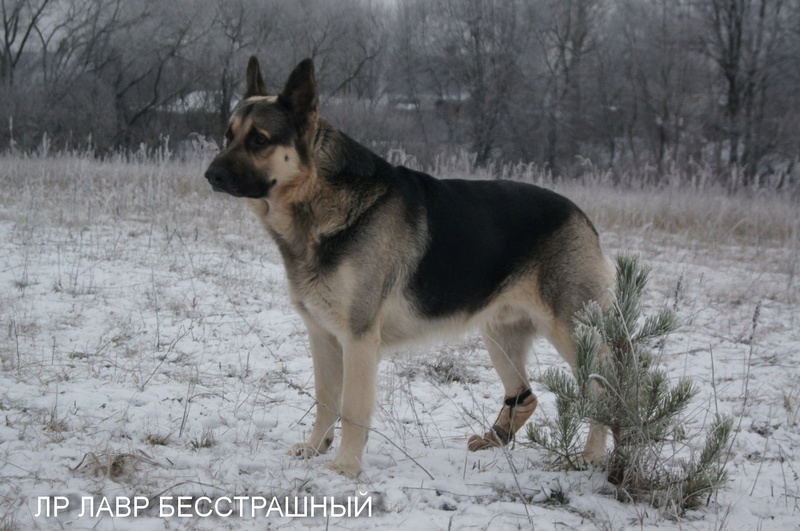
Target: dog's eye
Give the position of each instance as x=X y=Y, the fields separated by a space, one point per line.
x=260 y=140
x=228 y=136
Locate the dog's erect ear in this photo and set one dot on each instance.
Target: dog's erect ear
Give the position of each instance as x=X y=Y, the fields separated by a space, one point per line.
x=300 y=94
x=255 y=83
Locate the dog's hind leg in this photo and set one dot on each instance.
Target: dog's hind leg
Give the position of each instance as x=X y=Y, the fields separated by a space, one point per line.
x=326 y=353
x=508 y=345
x=560 y=335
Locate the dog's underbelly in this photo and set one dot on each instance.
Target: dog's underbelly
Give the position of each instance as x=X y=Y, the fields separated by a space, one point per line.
x=339 y=304
x=402 y=323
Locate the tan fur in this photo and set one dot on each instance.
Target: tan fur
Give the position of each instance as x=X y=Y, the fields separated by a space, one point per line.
x=270 y=99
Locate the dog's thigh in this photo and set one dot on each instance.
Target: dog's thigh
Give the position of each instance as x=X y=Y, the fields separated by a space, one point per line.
x=326 y=353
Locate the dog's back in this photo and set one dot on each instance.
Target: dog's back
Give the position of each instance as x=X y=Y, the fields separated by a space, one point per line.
x=483 y=235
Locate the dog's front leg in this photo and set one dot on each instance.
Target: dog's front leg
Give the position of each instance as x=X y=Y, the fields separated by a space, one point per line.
x=326 y=353
x=358 y=399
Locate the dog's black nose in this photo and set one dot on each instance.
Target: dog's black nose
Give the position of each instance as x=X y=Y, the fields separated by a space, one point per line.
x=215 y=175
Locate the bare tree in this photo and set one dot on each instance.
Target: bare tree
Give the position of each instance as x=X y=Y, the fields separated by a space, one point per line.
x=345 y=39
x=568 y=35
x=152 y=63
x=742 y=40
x=487 y=44
x=471 y=51
x=75 y=39
x=241 y=27
x=663 y=72
x=20 y=18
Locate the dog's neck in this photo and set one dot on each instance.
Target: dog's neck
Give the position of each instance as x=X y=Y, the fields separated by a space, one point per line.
x=345 y=181
x=342 y=161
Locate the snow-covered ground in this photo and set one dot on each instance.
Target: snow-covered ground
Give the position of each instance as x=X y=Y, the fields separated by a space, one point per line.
x=148 y=349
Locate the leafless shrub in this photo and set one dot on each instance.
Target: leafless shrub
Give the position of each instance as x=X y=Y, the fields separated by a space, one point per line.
x=114 y=466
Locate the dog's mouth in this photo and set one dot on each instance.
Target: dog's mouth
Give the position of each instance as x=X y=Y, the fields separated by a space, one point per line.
x=224 y=190
x=256 y=191
x=234 y=193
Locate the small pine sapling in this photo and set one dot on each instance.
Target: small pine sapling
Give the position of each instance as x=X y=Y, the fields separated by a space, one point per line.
x=616 y=383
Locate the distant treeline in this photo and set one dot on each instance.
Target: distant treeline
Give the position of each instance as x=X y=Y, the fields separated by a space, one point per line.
x=649 y=86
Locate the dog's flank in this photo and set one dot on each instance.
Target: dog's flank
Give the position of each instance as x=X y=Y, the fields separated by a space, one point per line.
x=378 y=255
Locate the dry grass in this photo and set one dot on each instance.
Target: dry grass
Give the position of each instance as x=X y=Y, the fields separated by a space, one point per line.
x=74 y=190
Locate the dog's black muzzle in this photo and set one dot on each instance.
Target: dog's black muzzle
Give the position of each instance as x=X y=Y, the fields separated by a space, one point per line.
x=217 y=178
x=222 y=179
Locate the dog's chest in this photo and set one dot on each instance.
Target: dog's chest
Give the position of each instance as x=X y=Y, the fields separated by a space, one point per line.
x=328 y=297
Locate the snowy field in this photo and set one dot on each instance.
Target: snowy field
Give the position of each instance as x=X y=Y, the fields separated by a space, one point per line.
x=148 y=348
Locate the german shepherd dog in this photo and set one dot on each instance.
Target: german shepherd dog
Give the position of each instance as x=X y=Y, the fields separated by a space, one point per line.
x=377 y=255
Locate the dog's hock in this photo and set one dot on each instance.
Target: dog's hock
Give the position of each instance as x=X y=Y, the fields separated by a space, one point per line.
x=516 y=411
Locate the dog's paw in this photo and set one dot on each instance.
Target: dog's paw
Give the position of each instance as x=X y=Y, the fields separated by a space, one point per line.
x=351 y=469
x=593 y=457
x=489 y=440
x=308 y=450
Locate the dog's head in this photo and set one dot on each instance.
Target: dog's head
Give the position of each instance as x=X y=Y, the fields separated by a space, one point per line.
x=268 y=140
